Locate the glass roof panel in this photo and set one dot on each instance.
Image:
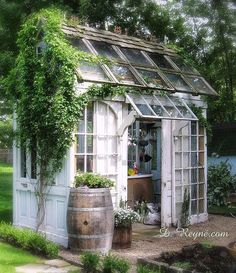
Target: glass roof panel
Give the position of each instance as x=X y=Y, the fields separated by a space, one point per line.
x=183 y=66
x=93 y=72
x=135 y=56
x=201 y=86
x=152 y=78
x=178 y=82
x=123 y=74
x=140 y=105
x=160 y=60
x=105 y=50
x=79 y=44
x=160 y=107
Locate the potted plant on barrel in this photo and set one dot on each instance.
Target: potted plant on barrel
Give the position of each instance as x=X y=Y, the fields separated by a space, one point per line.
x=90 y=219
x=124 y=218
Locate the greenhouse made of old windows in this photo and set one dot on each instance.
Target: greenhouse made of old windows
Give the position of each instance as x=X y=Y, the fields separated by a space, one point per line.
x=150 y=143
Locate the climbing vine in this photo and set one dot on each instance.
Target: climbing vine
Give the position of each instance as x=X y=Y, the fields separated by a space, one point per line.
x=201 y=119
x=47 y=107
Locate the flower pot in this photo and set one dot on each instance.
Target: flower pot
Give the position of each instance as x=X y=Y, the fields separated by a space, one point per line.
x=122 y=237
x=90 y=220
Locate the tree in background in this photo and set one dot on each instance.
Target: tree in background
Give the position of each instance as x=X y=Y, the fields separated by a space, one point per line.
x=212 y=44
x=204 y=29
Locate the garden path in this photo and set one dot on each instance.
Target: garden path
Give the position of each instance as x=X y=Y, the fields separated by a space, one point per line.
x=49 y=266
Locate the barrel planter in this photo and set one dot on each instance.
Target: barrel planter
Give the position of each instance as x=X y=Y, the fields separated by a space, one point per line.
x=90 y=220
x=122 y=237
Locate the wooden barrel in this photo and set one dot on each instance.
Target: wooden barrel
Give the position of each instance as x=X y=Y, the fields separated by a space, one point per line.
x=90 y=220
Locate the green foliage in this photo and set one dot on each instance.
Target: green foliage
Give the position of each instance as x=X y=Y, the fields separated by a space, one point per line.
x=28 y=240
x=92 y=181
x=183 y=265
x=5 y=192
x=146 y=269
x=6 y=134
x=113 y=264
x=201 y=119
x=11 y=257
x=220 y=183
x=90 y=261
x=184 y=220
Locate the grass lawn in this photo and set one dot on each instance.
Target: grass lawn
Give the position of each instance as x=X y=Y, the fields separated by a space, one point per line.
x=5 y=192
x=10 y=257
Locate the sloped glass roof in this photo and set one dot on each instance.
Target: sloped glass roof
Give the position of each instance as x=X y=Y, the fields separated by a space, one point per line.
x=136 y=67
x=160 y=107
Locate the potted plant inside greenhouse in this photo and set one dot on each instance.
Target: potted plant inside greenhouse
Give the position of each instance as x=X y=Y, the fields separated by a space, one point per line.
x=124 y=218
x=90 y=220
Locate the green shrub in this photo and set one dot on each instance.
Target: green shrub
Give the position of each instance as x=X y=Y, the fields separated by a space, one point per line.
x=113 y=264
x=146 y=269
x=92 y=181
x=90 y=262
x=220 y=183
x=28 y=240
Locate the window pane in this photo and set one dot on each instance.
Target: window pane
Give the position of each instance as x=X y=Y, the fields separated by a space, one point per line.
x=182 y=65
x=90 y=118
x=201 y=206
x=194 y=143
x=178 y=177
x=33 y=164
x=89 y=163
x=81 y=124
x=186 y=177
x=135 y=56
x=201 y=175
x=201 y=158
x=141 y=105
x=194 y=159
x=92 y=71
x=123 y=74
x=193 y=176
x=193 y=127
x=194 y=192
x=201 y=143
x=186 y=161
x=178 y=194
x=152 y=78
x=79 y=44
x=199 y=84
x=89 y=144
x=23 y=163
x=80 y=144
x=178 y=82
x=193 y=207
x=160 y=60
x=105 y=50
x=201 y=190
x=80 y=163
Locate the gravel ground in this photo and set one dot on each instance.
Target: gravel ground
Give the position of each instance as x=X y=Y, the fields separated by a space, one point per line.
x=147 y=241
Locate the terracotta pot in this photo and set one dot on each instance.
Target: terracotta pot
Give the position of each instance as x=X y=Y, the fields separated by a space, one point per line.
x=122 y=237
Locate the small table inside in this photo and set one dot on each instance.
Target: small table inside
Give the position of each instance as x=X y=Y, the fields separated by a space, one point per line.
x=140 y=188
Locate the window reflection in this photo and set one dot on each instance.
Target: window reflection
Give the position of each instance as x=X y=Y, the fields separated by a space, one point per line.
x=178 y=82
x=123 y=74
x=135 y=56
x=183 y=66
x=160 y=60
x=152 y=78
x=199 y=84
x=105 y=50
x=92 y=71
